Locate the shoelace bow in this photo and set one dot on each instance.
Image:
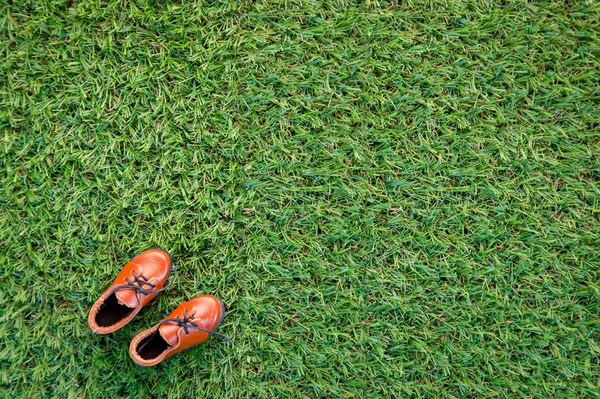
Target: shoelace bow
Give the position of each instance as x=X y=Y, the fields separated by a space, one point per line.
x=140 y=280
x=187 y=324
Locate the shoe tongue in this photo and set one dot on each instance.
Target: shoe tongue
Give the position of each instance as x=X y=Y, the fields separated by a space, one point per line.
x=128 y=297
x=169 y=333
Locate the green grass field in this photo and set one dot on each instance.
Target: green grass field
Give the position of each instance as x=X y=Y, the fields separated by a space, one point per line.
x=393 y=199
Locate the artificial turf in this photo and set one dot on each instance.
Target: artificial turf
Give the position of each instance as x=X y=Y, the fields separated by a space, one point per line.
x=393 y=199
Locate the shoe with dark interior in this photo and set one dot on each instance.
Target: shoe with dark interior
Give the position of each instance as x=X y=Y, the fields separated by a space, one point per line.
x=139 y=281
x=190 y=324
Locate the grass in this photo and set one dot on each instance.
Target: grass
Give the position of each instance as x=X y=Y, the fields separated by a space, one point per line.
x=393 y=200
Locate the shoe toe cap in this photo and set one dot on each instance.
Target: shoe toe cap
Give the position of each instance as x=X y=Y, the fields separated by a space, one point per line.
x=155 y=257
x=210 y=309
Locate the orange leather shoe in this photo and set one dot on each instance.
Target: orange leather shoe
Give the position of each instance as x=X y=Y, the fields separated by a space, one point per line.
x=141 y=279
x=191 y=323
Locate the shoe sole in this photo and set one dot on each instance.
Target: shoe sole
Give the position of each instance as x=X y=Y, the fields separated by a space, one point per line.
x=222 y=314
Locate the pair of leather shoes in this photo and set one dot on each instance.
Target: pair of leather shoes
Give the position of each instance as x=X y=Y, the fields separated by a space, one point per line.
x=141 y=280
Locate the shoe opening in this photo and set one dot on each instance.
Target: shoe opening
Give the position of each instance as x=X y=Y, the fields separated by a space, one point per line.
x=111 y=312
x=152 y=347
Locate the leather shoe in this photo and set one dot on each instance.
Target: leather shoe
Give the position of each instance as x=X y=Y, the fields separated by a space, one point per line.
x=139 y=281
x=190 y=324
